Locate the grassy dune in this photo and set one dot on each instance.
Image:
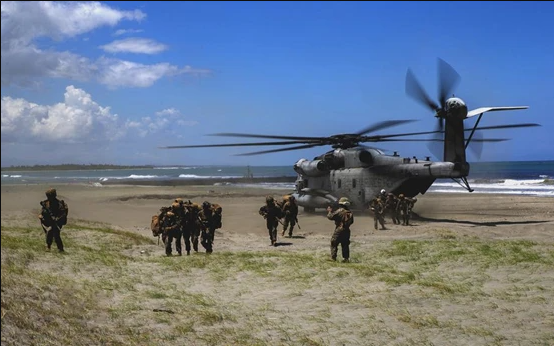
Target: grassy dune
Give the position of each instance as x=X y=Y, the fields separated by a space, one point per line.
x=116 y=287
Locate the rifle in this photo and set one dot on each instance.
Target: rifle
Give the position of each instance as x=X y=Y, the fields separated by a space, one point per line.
x=51 y=219
x=297 y=224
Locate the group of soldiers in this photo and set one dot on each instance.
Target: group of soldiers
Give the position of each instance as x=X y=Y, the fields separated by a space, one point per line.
x=189 y=221
x=273 y=211
x=196 y=223
x=398 y=208
x=287 y=209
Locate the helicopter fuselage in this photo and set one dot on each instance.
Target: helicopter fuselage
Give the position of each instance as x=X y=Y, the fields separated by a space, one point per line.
x=360 y=173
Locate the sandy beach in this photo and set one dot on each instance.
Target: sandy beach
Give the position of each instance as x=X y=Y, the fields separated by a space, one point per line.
x=131 y=207
x=472 y=269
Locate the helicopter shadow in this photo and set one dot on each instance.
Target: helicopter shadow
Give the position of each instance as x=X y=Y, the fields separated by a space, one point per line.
x=475 y=223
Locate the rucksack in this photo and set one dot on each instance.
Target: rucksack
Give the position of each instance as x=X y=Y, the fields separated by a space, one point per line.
x=217 y=211
x=347 y=219
x=46 y=218
x=155 y=224
x=62 y=221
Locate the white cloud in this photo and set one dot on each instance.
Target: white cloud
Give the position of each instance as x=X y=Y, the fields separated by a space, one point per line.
x=127 y=31
x=165 y=120
x=168 y=111
x=23 y=62
x=134 y=45
x=77 y=120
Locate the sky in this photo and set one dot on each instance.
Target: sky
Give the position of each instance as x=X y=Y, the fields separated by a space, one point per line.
x=111 y=82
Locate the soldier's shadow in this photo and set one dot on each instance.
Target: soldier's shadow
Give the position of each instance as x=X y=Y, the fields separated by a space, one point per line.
x=282 y=244
x=297 y=237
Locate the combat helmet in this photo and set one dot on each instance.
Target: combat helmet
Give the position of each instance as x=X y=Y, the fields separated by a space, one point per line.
x=269 y=199
x=206 y=205
x=179 y=200
x=51 y=193
x=344 y=201
x=175 y=206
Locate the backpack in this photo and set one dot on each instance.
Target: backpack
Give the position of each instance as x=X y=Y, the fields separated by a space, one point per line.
x=217 y=211
x=62 y=221
x=347 y=219
x=46 y=218
x=283 y=201
x=155 y=224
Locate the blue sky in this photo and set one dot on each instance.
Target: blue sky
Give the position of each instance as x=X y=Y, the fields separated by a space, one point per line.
x=110 y=82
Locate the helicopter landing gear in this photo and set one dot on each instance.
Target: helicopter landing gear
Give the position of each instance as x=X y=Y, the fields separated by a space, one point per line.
x=464 y=183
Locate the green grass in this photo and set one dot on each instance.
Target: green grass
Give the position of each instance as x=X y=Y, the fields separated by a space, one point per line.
x=116 y=287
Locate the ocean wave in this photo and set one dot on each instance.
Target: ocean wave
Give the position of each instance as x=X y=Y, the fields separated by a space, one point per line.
x=194 y=176
x=538 y=193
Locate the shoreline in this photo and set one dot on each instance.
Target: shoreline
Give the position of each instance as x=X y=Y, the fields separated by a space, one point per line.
x=200 y=181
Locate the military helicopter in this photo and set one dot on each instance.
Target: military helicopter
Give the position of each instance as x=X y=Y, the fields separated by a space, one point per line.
x=360 y=172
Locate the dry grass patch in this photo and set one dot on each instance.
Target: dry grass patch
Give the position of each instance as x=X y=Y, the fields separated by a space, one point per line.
x=115 y=287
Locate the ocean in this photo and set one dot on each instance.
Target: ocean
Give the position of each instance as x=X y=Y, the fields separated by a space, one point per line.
x=513 y=178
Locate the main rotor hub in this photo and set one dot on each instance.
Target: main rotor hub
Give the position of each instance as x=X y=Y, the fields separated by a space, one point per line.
x=456 y=107
x=344 y=141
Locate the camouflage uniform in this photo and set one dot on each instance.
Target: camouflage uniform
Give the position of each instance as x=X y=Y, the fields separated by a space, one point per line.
x=403 y=209
x=343 y=218
x=171 y=227
x=390 y=208
x=271 y=213
x=206 y=215
x=290 y=211
x=193 y=224
x=378 y=209
x=53 y=215
x=409 y=206
x=183 y=217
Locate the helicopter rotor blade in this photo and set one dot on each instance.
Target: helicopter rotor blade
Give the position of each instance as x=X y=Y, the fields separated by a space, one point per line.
x=382 y=125
x=378 y=138
x=416 y=91
x=448 y=79
x=247 y=135
x=476 y=145
x=441 y=140
x=437 y=149
x=306 y=146
x=232 y=145
x=504 y=126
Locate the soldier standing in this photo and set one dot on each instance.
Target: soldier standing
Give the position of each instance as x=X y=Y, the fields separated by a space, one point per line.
x=390 y=208
x=171 y=227
x=53 y=217
x=343 y=218
x=290 y=210
x=378 y=208
x=271 y=213
x=208 y=226
x=403 y=208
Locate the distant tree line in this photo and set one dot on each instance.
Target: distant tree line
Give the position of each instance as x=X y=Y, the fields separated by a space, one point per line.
x=69 y=167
